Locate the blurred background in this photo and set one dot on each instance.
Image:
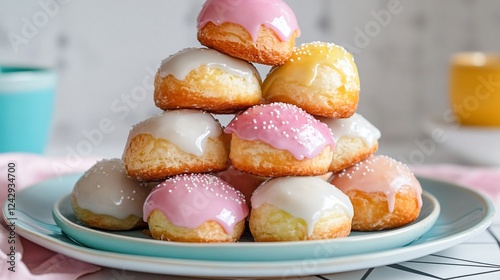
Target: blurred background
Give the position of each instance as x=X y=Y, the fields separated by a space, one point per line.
x=107 y=52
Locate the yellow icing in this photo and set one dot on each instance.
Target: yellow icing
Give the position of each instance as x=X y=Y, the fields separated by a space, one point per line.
x=302 y=66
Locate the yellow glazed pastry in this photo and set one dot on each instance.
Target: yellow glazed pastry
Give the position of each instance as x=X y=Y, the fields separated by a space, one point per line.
x=321 y=78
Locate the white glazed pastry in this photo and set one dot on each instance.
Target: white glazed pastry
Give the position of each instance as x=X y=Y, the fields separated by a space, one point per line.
x=182 y=63
x=356 y=140
x=299 y=208
x=201 y=78
x=175 y=142
x=104 y=197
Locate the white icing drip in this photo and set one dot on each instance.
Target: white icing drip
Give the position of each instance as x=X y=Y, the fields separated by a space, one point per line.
x=303 y=197
x=354 y=127
x=378 y=174
x=187 y=129
x=180 y=64
x=106 y=189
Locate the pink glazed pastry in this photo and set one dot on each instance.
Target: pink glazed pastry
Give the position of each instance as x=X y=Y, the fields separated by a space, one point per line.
x=261 y=31
x=280 y=139
x=195 y=208
x=384 y=193
x=244 y=182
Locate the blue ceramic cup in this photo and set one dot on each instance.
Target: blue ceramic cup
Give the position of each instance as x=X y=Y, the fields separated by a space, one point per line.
x=26 y=106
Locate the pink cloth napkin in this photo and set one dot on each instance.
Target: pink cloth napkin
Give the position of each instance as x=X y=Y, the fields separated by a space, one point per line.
x=483 y=179
x=33 y=262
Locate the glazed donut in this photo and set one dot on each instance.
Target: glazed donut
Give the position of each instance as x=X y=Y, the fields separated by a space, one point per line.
x=299 y=208
x=243 y=182
x=321 y=78
x=106 y=198
x=261 y=31
x=175 y=142
x=279 y=139
x=356 y=140
x=205 y=79
x=195 y=208
x=384 y=192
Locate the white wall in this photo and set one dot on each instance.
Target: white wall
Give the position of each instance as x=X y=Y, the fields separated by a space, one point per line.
x=107 y=51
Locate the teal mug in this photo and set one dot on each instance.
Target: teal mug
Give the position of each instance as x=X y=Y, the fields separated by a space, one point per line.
x=26 y=106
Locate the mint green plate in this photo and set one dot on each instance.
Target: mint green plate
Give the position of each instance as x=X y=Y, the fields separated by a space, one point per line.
x=456 y=222
x=138 y=243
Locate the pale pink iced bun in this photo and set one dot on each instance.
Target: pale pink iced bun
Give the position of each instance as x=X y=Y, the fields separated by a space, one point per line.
x=195 y=208
x=384 y=193
x=261 y=31
x=244 y=182
x=280 y=139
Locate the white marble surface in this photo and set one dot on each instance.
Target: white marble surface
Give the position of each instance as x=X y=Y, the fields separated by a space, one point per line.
x=106 y=53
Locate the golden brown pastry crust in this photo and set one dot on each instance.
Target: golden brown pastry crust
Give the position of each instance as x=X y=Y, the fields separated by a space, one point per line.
x=258 y=158
x=208 y=89
x=349 y=151
x=106 y=222
x=371 y=210
x=209 y=232
x=234 y=40
x=151 y=159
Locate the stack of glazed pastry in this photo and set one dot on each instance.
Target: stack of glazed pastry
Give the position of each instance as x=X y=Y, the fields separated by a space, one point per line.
x=184 y=146
x=266 y=168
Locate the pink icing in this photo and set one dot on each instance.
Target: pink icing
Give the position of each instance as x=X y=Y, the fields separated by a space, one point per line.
x=285 y=127
x=244 y=182
x=251 y=14
x=190 y=200
x=378 y=174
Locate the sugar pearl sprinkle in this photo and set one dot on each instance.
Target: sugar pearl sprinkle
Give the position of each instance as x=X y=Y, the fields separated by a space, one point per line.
x=366 y=167
x=283 y=126
x=210 y=183
x=99 y=168
x=308 y=49
x=106 y=189
x=114 y=168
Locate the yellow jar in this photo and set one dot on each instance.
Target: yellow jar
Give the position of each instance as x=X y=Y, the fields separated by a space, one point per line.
x=475 y=88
